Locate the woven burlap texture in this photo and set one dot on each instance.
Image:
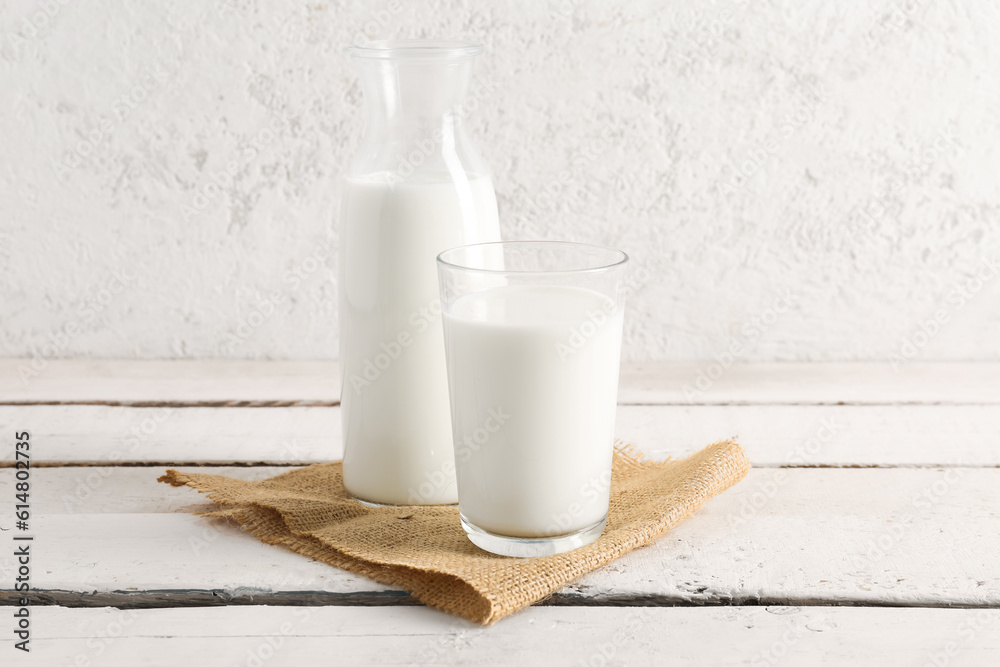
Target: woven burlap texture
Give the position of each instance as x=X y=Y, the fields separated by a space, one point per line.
x=424 y=550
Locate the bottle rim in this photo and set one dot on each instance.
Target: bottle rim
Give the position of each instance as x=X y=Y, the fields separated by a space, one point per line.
x=386 y=49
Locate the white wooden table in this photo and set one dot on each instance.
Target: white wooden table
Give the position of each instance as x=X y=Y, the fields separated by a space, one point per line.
x=868 y=531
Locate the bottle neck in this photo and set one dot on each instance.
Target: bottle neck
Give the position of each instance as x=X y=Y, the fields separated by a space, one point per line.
x=414 y=117
x=415 y=92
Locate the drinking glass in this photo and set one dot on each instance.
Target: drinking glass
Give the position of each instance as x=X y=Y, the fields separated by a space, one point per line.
x=533 y=342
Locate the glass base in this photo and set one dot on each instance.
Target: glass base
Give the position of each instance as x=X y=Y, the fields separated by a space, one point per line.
x=532 y=547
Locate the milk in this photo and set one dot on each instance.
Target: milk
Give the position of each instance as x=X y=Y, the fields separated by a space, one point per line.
x=534 y=378
x=396 y=417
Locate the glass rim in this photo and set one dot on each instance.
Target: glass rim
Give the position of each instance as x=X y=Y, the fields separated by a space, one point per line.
x=415 y=48
x=622 y=257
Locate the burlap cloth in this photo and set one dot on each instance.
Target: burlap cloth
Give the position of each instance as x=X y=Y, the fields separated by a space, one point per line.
x=424 y=550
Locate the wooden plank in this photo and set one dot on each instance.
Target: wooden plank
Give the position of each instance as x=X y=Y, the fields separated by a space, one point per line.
x=816 y=536
x=809 y=383
x=122 y=489
x=317 y=382
x=119 y=434
x=564 y=636
x=782 y=536
x=205 y=382
x=831 y=435
x=773 y=435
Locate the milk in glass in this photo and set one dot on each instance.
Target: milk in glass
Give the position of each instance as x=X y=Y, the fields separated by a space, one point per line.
x=534 y=377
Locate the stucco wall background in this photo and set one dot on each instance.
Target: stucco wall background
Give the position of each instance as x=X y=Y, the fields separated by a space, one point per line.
x=835 y=161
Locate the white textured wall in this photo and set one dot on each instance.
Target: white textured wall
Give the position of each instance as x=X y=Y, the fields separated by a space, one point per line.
x=842 y=154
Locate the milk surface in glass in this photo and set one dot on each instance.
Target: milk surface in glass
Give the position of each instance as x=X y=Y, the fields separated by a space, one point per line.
x=534 y=377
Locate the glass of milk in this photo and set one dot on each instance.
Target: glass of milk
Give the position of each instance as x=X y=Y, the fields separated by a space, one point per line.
x=533 y=342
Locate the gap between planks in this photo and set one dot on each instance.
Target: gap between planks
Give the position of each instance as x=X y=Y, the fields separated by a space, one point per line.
x=333 y=404
x=176 y=463
x=661 y=383
x=171 y=599
x=183 y=404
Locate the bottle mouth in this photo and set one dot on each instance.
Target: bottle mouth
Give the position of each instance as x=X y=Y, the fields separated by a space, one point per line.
x=414 y=48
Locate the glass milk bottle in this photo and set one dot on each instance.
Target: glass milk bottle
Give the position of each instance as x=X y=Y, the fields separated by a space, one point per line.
x=416 y=187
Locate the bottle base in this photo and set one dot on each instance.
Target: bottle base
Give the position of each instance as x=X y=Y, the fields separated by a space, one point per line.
x=532 y=547
x=370 y=503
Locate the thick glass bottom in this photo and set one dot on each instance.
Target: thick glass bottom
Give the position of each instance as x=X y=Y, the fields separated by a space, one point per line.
x=532 y=547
